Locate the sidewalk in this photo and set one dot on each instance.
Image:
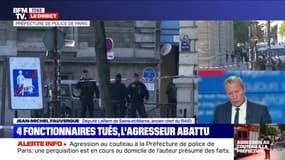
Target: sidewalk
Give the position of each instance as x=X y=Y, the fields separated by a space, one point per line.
x=229 y=66
x=275 y=155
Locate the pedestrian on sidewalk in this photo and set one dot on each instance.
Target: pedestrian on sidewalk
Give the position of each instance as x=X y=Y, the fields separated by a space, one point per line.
x=171 y=92
x=267 y=146
x=233 y=56
x=227 y=57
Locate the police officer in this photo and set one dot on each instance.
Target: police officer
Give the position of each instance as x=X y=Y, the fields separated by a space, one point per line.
x=171 y=92
x=137 y=93
x=87 y=89
x=119 y=97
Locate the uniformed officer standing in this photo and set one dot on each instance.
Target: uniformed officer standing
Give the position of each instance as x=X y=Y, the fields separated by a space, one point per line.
x=119 y=97
x=87 y=90
x=137 y=93
x=171 y=92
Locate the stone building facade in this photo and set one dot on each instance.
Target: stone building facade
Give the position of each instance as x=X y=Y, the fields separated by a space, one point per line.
x=215 y=41
x=187 y=90
x=136 y=46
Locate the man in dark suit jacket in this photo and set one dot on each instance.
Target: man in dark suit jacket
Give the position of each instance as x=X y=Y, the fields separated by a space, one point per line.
x=248 y=111
x=255 y=113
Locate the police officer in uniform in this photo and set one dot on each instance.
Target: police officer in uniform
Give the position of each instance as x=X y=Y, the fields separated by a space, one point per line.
x=87 y=89
x=137 y=92
x=171 y=92
x=119 y=97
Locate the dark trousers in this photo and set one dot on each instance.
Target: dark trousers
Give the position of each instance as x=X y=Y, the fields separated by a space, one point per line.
x=233 y=58
x=87 y=103
x=171 y=108
x=267 y=153
x=132 y=111
x=119 y=109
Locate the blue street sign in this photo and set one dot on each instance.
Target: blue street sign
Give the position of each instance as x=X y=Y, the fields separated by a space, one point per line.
x=185 y=43
x=149 y=74
x=25 y=83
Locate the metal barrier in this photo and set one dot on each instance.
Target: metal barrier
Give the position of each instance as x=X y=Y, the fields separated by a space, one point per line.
x=152 y=110
x=6 y=127
x=6 y=131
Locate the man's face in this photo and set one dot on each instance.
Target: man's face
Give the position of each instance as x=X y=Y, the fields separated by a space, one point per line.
x=118 y=79
x=235 y=93
x=136 y=78
x=85 y=75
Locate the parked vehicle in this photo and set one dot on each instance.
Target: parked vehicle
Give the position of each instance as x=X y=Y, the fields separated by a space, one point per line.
x=70 y=102
x=277 y=56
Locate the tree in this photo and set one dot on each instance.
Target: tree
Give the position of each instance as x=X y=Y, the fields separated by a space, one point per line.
x=103 y=68
x=241 y=31
x=273 y=33
x=281 y=127
x=272 y=131
x=263 y=130
x=260 y=32
x=267 y=130
x=282 y=29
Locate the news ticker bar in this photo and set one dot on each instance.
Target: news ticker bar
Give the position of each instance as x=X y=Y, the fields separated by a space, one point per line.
x=53 y=23
x=118 y=128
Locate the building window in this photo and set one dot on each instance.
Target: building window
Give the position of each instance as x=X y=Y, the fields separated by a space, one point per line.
x=71 y=33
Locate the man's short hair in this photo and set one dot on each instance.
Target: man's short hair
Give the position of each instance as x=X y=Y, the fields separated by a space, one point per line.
x=232 y=79
x=118 y=76
x=85 y=71
x=136 y=75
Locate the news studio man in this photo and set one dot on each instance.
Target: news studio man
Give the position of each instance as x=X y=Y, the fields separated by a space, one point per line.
x=239 y=109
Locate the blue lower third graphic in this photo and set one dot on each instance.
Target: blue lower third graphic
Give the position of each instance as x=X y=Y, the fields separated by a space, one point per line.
x=122 y=131
x=25 y=82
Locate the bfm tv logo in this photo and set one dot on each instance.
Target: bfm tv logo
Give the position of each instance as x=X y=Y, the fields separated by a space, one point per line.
x=34 y=14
